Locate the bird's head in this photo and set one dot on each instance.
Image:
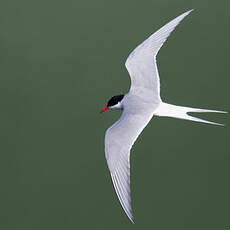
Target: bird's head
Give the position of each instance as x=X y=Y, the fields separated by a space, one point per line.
x=114 y=103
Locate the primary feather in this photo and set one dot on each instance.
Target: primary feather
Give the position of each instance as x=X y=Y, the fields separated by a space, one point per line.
x=141 y=63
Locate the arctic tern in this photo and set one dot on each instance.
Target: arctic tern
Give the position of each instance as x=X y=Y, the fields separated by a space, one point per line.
x=139 y=105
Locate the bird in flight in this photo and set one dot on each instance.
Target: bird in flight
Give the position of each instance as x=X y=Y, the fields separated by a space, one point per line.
x=139 y=105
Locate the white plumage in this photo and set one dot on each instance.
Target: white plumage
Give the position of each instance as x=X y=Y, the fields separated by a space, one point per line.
x=139 y=105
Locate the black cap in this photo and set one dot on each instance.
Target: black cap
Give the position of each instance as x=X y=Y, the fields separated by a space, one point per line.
x=114 y=100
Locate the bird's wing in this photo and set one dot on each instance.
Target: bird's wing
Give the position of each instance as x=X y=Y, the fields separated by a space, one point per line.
x=119 y=139
x=141 y=63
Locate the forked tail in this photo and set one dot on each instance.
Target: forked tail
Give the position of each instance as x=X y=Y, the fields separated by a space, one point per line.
x=168 y=110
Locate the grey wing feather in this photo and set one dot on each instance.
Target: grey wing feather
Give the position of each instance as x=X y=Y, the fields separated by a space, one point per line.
x=119 y=139
x=141 y=63
x=117 y=155
x=121 y=182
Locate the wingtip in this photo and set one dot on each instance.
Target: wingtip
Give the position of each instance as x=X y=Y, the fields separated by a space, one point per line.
x=183 y=15
x=131 y=219
x=188 y=12
x=121 y=196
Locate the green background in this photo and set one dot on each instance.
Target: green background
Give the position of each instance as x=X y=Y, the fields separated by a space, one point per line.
x=60 y=61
